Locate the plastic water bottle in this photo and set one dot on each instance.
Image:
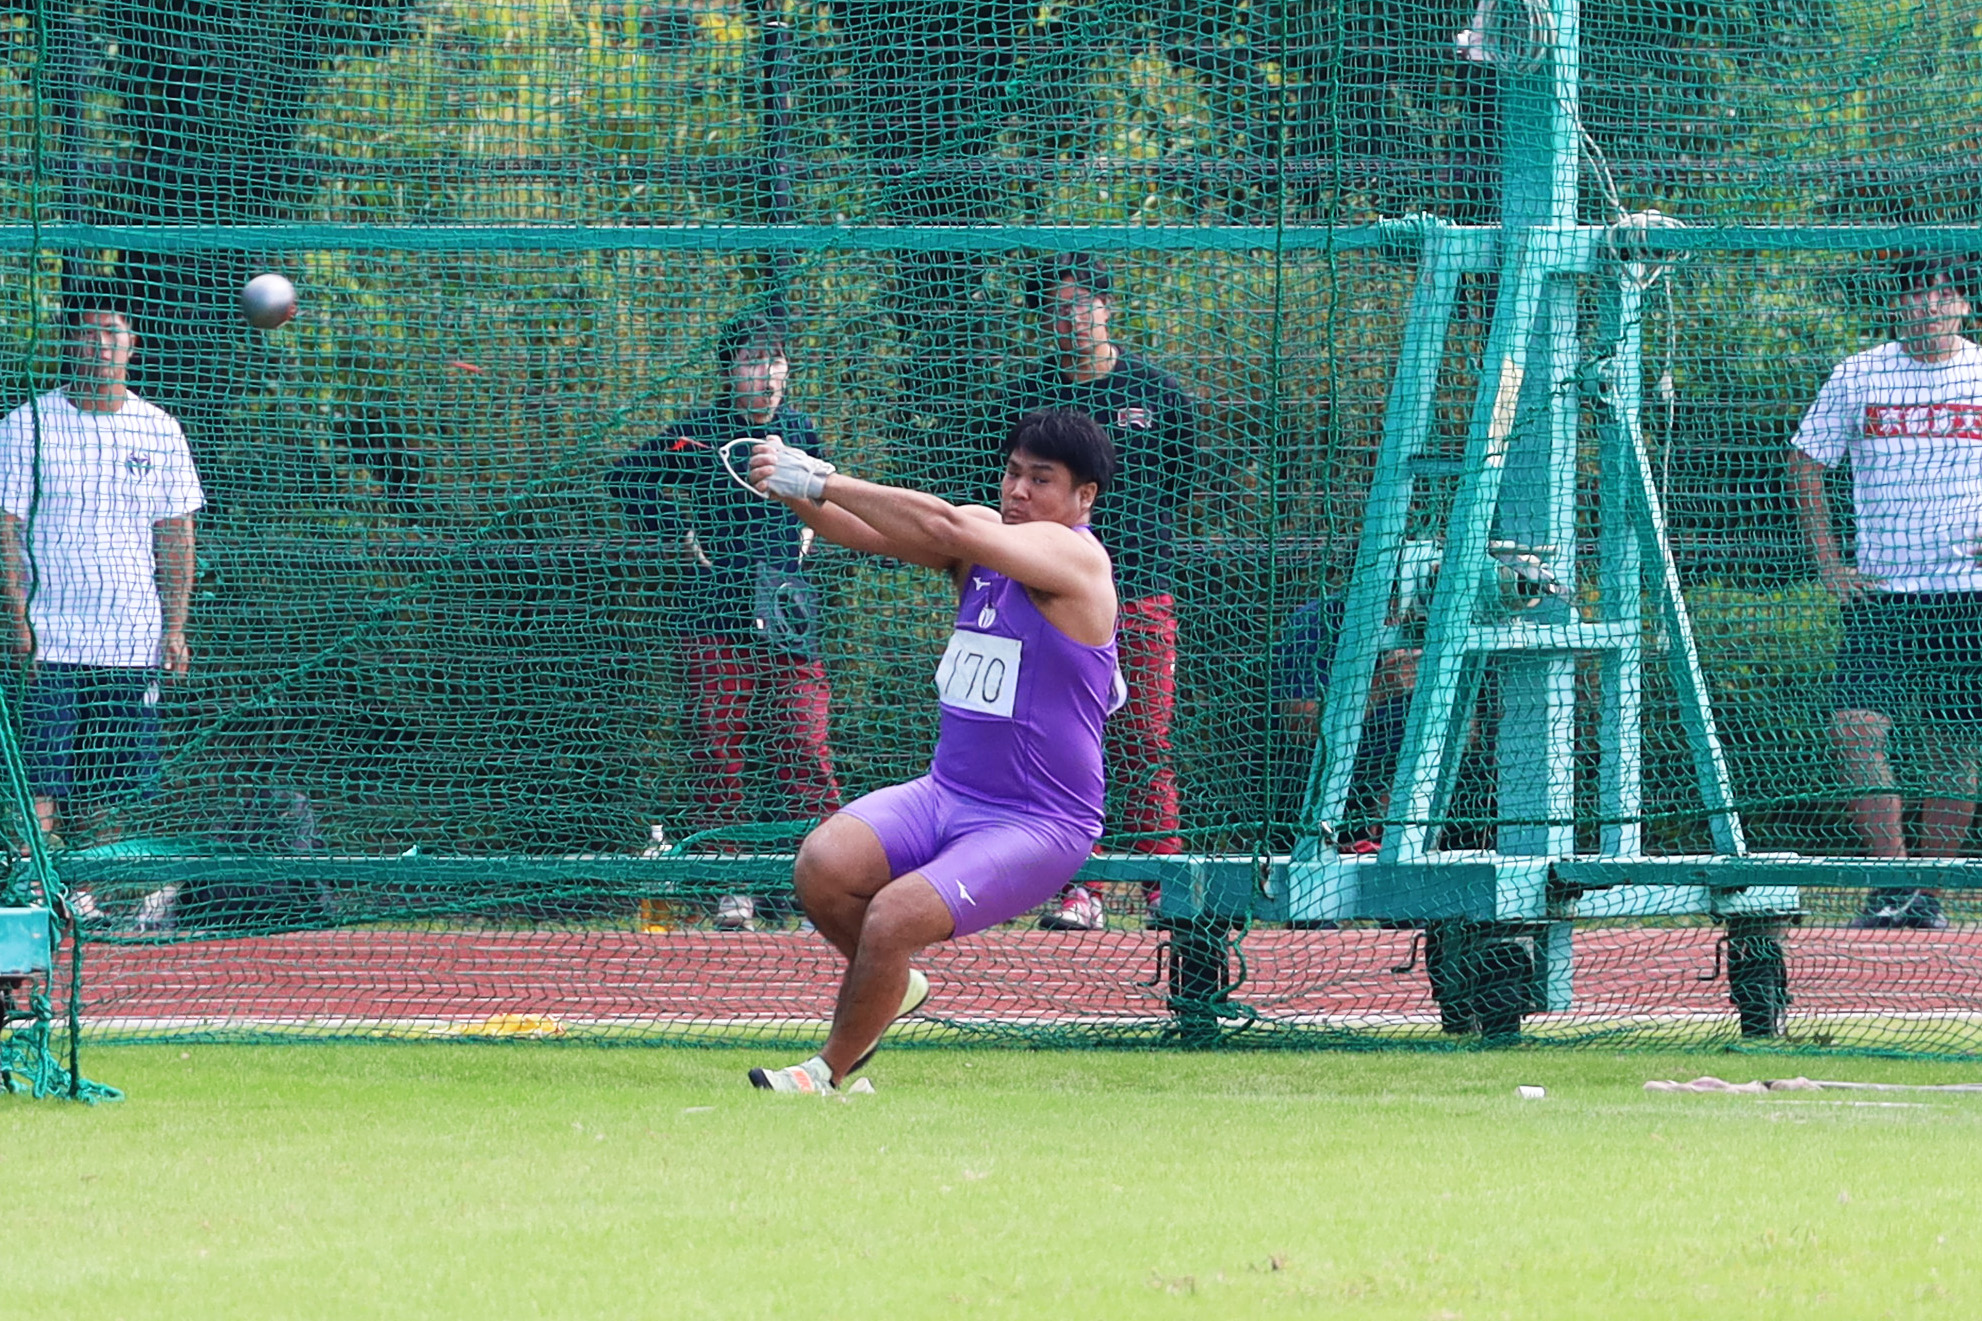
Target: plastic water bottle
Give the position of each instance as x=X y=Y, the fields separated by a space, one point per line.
x=657 y=916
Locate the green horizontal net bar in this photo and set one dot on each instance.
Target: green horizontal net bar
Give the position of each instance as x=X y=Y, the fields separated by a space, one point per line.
x=1396 y=235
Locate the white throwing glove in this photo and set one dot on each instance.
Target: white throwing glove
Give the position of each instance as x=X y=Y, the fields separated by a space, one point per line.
x=796 y=474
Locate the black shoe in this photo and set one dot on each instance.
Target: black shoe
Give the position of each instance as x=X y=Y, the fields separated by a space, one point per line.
x=1901 y=910
x=1921 y=912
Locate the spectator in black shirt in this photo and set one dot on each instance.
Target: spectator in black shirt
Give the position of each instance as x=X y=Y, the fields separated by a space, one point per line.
x=1157 y=429
x=746 y=614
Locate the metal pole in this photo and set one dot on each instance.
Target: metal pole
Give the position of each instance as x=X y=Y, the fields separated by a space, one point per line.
x=1540 y=155
x=775 y=55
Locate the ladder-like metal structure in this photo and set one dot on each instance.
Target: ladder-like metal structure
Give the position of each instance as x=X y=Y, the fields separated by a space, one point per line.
x=1498 y=938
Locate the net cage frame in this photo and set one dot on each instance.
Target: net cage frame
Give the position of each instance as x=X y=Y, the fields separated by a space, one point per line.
x=1526 y=897
x=1209 y=900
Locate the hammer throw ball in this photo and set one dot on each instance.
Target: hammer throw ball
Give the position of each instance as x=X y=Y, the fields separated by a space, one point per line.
x=268 y=301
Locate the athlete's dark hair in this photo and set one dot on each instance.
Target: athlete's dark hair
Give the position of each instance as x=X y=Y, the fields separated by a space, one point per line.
x=750 y=333
x=1069 y=436
x=1077 y=268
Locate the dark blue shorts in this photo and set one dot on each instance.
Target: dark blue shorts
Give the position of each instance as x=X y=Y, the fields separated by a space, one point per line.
x=91 y=730
x=1913 y=655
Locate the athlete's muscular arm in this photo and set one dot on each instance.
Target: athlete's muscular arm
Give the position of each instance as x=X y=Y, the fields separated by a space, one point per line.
x=1068 y=573
x=1050 y=558
x=1813 y=511
x=844 y=528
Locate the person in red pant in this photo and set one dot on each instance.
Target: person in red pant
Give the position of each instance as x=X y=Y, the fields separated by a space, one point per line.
x=745 y=613
x=1157 y=430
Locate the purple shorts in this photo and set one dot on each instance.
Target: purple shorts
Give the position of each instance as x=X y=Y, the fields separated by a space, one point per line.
x=989 y=861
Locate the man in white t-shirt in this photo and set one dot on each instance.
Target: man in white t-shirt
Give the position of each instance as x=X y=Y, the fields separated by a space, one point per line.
x=97 y=495
x=1908 y=416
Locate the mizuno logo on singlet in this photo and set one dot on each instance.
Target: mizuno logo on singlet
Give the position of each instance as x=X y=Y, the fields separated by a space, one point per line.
x=965 y=894
x=979 y=583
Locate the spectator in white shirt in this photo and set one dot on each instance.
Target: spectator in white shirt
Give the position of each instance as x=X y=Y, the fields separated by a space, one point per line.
x=97 y=496
x=1908 y=417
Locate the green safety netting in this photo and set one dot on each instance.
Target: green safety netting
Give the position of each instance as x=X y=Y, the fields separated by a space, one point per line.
x=481 y=735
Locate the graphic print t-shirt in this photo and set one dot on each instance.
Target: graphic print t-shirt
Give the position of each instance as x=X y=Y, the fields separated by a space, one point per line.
x=90 y=486
x=1913 y=433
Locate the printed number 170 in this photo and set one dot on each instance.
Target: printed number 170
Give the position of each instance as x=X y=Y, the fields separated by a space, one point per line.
x=976 y=679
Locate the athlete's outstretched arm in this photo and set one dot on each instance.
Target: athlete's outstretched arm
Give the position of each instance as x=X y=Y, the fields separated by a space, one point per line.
x=840 y=525
x=925 y=529
x=844 y=528
x=1050 y=558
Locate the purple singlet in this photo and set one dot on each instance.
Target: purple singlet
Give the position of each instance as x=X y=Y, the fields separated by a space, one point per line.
x=1013 y=800
x=1023 y=705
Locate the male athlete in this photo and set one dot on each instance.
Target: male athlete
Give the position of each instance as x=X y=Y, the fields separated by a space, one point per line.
x=1012 y=803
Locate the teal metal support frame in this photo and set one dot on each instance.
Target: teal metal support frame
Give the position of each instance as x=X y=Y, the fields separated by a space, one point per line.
x=1498 y=940
x=1271 y=889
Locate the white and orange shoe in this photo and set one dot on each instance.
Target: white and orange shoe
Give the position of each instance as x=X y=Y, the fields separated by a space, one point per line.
x=811 y=1078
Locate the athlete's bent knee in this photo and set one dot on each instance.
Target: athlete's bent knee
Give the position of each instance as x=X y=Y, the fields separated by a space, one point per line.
x=907 y=915
x=841 y=856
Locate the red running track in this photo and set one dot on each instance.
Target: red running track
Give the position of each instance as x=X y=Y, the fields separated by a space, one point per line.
x=1340 y=977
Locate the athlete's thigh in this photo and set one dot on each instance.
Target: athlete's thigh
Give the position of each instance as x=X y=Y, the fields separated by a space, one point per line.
x=908 y=822
x=842 y=855
x=995 y=867
x=910 y=911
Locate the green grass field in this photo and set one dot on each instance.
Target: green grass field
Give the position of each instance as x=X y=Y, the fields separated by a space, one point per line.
x=528 y=1180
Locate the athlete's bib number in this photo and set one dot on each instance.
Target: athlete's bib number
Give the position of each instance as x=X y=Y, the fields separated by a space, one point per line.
x=980 y=672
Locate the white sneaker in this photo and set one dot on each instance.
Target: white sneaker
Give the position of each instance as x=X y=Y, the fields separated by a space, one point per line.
x=913 y=999
x=917 y=993
x=1080 y=910
x=736 y=912
x=811 y=1078
x=157 y=911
